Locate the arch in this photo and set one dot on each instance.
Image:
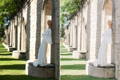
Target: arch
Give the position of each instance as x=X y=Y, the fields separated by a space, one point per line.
x=106 y=17
x=45 y=16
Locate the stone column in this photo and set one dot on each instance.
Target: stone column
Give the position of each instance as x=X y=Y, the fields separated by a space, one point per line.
x=55 y=47
x=23 y=36
x=67 y=37
x=20 y=52
x=19 y=33
x=49 y=70
x=93 y=70
x=116 y=36
x=11 y=46
x=82 y=34
x=10 y=34
x=33 y=28
x=75 y=33
x=93 y=32
x=14 y=34
x=72 y=32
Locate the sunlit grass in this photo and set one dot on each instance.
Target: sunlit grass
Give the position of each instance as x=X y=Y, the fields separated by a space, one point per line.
x=74 y=67
x=13 y=69
x=81 y=77
x=73 y=71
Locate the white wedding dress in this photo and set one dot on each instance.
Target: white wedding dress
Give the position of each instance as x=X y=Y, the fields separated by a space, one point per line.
x=103 y=53
x=46 y=39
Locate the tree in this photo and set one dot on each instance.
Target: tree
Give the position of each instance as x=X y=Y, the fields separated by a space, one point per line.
x=8 y=9
x=69 y=8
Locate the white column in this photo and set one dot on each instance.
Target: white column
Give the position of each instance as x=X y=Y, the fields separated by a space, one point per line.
x=93 y=32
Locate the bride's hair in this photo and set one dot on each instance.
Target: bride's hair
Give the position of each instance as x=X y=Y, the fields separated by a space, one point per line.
x=110 y=23
x=49 y=22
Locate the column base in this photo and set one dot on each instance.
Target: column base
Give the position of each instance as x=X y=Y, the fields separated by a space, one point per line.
x=47 y=71
x=71 y=49
x=19 y=55
x=117 y=74
x=11 y=49
x=79 y=54
x=101 y=71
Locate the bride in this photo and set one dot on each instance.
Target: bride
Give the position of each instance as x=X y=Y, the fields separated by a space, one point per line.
x=46 y=39
x=102 y=59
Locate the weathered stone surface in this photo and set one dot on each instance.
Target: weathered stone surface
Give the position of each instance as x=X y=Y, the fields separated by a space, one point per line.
x=101 y=72
x=79 y=55
x=71 y=49
x=19 y=55
x=10 y=49
x=41 y=72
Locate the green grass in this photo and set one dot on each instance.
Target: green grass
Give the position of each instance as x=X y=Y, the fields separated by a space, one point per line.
x=74 y=67
x=71 y=59
x=13 y=69
x=81 y=77
x=67 y=57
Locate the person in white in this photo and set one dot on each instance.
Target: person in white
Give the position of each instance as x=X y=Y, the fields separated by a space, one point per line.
x=46 y=39
x=104 y=52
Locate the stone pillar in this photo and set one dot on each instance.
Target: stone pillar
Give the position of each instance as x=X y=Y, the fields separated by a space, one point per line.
x=11 y=47
x=116 y=36
x=14 y=35
x=97 y=71
x=75 y=33
x=49 y=70
x=70 y=33
x=55 y=47
x=20 y=52
x=73 y=37
x=93 y=28
x=19 y=33
x=33 y=28
x=10 y=34
x=82 y=34
x=23 y=36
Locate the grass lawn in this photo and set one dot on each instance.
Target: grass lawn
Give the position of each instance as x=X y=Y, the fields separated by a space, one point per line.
x=12 y=69
x=73 y=69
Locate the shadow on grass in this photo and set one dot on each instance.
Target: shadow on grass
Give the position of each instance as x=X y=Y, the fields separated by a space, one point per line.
x=1 y=46
x=64 y=51
x=3 y=50
x=81 y=77
x=11 y=59
x=21 y=77
x=66 y=54
x=74 y=67
x=5 y=54
x=69 y=59
x=13 y=67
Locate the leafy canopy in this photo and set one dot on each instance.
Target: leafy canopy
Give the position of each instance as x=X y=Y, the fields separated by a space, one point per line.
x=69 y=8
x=8 y=9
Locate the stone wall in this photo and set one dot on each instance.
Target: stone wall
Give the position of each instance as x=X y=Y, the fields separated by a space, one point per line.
x=26 y=28
x=116 y=36
x=95 y=25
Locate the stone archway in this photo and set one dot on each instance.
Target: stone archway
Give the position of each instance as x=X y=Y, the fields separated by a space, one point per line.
x=95 y=68
x=47 y=10
x=45 y=16
x=106 y=17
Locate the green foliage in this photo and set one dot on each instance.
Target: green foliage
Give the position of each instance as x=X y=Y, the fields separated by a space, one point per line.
x=68 y=9
x=1 y=32
x=8 y=9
